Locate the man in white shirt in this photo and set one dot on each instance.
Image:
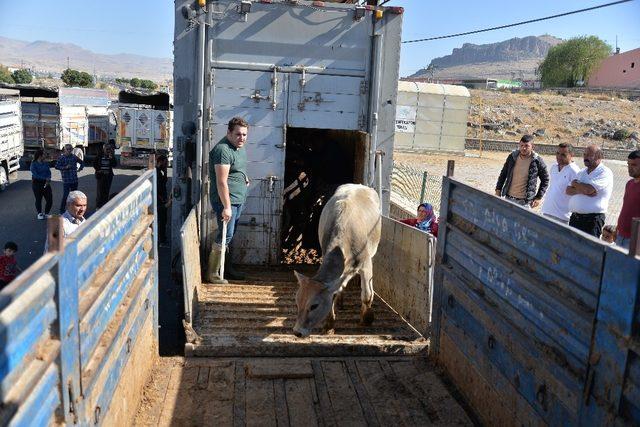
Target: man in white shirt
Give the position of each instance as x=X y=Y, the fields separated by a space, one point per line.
x=73 y=217
x=590 y=193
x=556 y=201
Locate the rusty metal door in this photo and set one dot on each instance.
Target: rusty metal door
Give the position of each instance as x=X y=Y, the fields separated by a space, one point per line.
x=258 y=97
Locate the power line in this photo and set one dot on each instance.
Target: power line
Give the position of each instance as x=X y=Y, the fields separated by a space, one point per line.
x=517 y=23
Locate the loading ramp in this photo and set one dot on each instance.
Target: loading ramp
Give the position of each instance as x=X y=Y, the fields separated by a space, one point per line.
x=255 y=318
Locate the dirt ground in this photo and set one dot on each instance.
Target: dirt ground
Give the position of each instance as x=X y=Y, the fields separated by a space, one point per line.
x=481 y=170
x=578 y=118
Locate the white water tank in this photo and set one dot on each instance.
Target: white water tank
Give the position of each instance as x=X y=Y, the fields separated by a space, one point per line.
x=431 y=117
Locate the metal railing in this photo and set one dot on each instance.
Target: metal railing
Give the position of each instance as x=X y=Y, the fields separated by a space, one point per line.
x=411 y=186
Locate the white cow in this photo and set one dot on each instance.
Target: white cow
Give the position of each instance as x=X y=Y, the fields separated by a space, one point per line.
x=349 y=234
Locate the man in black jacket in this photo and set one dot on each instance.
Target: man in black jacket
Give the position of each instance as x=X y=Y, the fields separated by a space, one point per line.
x=519 y=176
x=103 y=165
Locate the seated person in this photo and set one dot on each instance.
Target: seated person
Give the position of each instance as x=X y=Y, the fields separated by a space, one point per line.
x=426 y=220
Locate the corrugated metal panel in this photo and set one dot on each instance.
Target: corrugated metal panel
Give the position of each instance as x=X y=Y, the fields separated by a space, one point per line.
x=251 y=95
x=515 y=303
x=433 y=115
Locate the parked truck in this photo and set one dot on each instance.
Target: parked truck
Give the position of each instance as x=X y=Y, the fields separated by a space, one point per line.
x=101 y=119
x=533 y=322
x=145 y=126
x=11 y=140
x=53 y=117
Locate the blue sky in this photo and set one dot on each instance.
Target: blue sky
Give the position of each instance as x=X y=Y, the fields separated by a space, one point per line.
x=145 y=27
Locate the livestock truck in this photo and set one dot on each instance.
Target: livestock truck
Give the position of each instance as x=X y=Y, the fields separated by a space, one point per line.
x=11 y=141
x=145 y=126
x=531 y=321
x=53 y=117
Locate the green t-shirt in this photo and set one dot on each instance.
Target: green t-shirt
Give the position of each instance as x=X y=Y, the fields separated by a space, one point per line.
x=225 y=153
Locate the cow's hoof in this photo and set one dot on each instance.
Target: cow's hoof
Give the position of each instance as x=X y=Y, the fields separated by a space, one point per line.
x=367 y=318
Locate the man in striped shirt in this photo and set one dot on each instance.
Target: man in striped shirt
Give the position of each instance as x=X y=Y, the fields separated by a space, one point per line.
x=67 y=165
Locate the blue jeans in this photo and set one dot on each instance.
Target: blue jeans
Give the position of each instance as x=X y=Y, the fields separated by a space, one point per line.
x=66 y=189
x=623 y=242
x=236 y=210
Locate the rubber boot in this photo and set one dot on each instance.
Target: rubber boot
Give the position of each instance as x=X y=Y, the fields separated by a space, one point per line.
x=213 y=267
x=230 y=272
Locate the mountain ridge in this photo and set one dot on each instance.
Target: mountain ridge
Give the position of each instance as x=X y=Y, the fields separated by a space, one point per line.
x=519 y=56
x=46 y=56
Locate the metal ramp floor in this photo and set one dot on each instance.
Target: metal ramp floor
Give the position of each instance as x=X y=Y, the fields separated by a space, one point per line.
x=255 y=318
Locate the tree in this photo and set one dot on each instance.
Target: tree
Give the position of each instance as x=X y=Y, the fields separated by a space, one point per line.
x=148 y=84
x=573 y=61
x=77 y=78
x=22 y=76
x=135 y=82
x=5 y=75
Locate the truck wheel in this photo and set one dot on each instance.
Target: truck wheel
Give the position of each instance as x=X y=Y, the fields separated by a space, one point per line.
x=4 y=178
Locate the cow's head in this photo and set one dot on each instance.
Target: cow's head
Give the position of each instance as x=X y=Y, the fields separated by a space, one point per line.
x=314 y=301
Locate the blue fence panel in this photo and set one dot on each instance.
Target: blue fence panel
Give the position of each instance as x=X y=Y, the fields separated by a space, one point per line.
x=30 y=381
x=515 y=301
x=613 y=390
x=71 y=322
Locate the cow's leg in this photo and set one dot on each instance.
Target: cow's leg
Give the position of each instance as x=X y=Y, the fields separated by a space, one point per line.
x=328 y=328
x=366 y=293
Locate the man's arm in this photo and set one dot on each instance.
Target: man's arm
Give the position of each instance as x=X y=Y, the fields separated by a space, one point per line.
x=581 y=188
x=502 y=177
x=543 y=174
x=59 y=163
x=222 y=175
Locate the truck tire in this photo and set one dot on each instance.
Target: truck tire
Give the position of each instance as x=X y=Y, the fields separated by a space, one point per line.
x=4 y=178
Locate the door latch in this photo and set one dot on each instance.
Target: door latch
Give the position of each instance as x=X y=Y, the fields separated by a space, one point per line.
x=257 y=96
x=272 y=182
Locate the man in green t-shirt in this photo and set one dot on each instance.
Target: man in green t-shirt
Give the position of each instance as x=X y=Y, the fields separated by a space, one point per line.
x=228 y=192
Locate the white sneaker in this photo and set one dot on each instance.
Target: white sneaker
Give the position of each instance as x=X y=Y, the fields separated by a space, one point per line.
x=40 y=216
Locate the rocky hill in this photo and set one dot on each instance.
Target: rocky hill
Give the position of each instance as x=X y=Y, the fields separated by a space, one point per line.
x=517 y=57
x=52 y=57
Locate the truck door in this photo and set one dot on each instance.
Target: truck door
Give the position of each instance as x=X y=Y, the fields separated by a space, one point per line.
x=258 y=97
x=326 y=102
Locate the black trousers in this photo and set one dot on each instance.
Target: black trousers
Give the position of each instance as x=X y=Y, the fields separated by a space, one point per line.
x=162 y=222
x=40 y=191
x=103 y=188
x=589 y=223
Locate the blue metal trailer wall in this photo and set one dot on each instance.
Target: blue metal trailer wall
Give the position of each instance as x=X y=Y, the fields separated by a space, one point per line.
x=532 y=318
x=79 y=327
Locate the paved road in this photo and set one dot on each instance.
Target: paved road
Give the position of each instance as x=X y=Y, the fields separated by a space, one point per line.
x=18 y=220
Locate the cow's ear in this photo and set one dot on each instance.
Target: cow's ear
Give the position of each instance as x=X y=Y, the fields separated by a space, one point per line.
x=307 y=281
x=301 y=278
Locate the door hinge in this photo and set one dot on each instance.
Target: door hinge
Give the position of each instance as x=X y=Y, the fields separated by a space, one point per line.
x=361 y=121
x=209 y=134
x=364 y=86
x=209 y=114
x=210 y=78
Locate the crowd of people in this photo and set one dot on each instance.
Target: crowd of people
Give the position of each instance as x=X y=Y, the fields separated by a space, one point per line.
x=566 y=193
x=74 y=203
x=575 y=196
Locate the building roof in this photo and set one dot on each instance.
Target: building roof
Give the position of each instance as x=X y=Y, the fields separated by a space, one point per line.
x=433 y=88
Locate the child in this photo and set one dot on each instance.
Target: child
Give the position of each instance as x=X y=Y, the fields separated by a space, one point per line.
x=8 y=264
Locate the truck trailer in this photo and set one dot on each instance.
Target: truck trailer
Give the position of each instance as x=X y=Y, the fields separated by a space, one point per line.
x=11 y=140
x=145 y=126
x=53 y=117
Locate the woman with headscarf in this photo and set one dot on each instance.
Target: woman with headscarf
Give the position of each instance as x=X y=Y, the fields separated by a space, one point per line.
x=425 y=221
